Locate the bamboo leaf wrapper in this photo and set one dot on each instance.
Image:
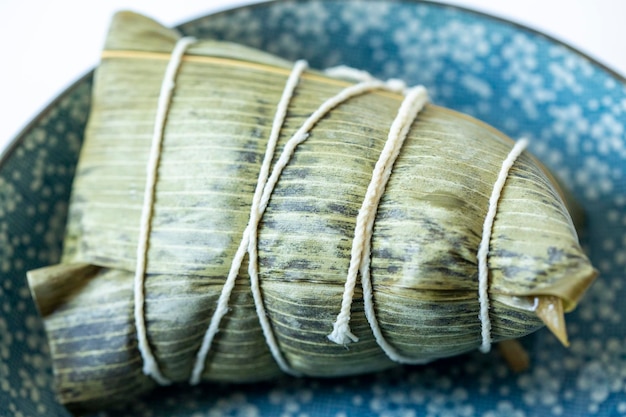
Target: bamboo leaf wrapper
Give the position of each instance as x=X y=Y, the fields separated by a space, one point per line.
x=424 y=242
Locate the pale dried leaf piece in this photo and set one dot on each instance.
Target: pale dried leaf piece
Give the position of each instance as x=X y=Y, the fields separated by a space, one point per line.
x=55 y=285
x=550 y=311
x=514 y=354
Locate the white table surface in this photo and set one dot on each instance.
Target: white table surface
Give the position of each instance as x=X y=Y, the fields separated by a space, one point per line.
x=46 y=45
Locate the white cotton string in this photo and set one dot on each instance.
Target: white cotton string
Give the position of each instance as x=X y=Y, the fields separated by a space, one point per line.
x=256 y=214
x=413 y=103
x=348 y=73
x=244 y=246
x=352 y=74
x=220 y=310
x=150 y=366
x=483 y=248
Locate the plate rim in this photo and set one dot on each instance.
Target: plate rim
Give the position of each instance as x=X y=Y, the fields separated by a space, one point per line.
x=19 y=138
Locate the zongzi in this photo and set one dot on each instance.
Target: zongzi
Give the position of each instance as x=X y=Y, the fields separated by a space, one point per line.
x=234 y=215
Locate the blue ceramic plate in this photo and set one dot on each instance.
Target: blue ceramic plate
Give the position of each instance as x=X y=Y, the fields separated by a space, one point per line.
x=524 y=83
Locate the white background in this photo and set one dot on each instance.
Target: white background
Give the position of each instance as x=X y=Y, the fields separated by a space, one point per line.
x=46 y=45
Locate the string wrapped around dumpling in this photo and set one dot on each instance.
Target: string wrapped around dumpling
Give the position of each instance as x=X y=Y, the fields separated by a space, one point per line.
x=222 y=195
